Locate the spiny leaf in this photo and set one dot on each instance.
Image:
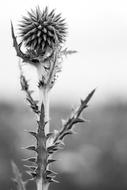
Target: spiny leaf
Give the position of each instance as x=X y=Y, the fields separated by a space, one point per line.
x=74 y=118
x=17 y=46
x=13 y=36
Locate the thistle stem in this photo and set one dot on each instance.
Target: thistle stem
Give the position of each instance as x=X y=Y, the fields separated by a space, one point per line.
x=46 y=108
x=41 y=185
x=41 y=142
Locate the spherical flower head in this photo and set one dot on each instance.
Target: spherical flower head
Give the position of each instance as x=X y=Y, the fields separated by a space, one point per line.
x=41 y=31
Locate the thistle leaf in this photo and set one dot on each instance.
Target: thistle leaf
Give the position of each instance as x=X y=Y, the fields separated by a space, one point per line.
x=17 y=46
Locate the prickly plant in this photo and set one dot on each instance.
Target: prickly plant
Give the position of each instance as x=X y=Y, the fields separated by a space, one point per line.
x=42 y=37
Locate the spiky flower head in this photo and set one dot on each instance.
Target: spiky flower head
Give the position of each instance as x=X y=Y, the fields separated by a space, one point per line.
x=40 y=31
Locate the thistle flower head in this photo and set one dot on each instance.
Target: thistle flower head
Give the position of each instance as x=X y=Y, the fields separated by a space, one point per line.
x=40 y=31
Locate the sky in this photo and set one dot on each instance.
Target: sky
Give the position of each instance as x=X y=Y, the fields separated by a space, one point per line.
x=97 y=29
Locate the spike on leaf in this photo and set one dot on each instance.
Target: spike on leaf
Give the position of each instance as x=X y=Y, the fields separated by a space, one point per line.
x=32 y=168
x=33 y=148
x=32 y=159
x=50 y=172
x=89 y=97
x=53 y=180
x=78 y=120
x=50 y=161
x=34 y=134
x=49 y=135
x=32 y=174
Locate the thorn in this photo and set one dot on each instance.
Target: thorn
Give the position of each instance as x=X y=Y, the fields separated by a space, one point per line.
x=50 y=172
x=78 y=120
x=53 y=180
x=34 y=134
x=33 y=174
x=51 y=147
x=32 y=159
x=32 y=168
x=89 y=97
x=28 y=172
x=82 y=101
x=12 y=33
x=51 y=161
x=66 y=133
x=49 y=135
x=60 y=142
x=33 y=148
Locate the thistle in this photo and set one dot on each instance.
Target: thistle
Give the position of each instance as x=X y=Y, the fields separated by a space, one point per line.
x=42 y=35
x=41 y=31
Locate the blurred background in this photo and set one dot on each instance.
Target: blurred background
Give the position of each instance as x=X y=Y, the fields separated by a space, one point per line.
x=95 y=158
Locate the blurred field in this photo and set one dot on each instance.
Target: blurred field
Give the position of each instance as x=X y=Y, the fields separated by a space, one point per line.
x=94 y=159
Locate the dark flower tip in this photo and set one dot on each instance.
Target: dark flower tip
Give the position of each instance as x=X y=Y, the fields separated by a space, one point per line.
x=42 y=30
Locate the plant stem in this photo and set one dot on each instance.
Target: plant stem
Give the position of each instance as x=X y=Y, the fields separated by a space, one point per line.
x=43 y=130
x=41 y=185
x=46 y=108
